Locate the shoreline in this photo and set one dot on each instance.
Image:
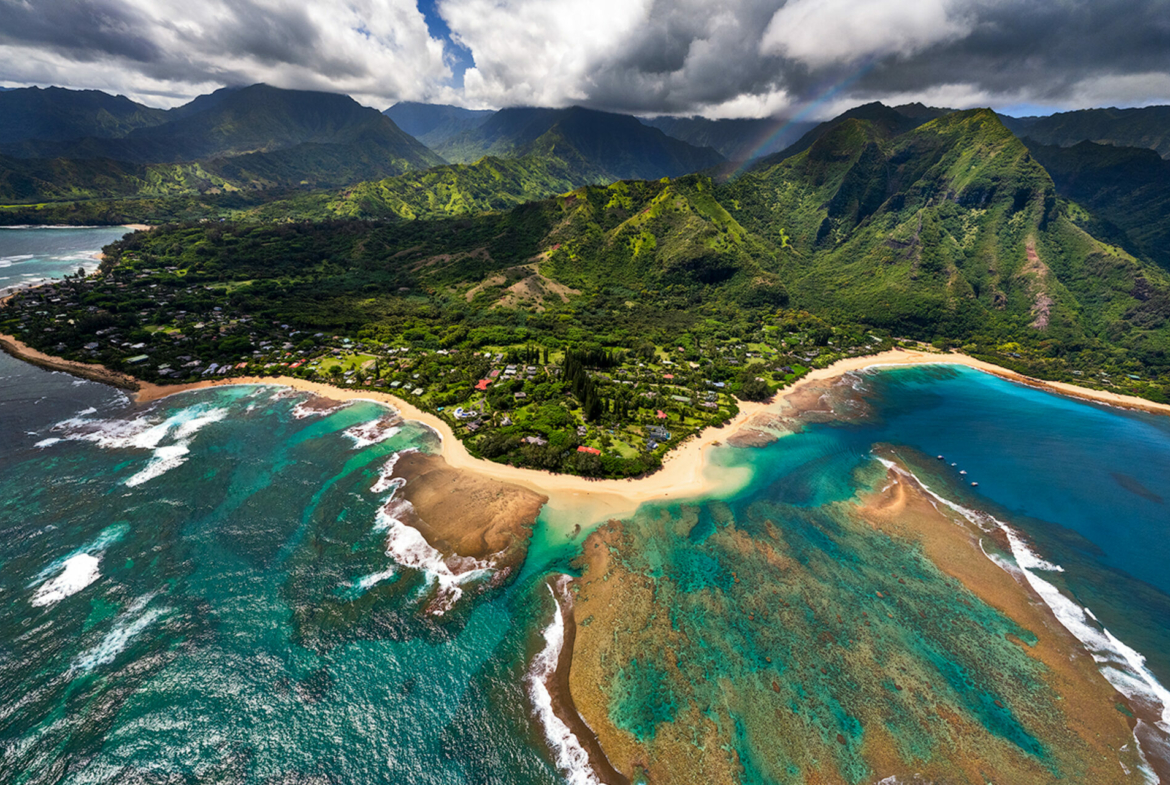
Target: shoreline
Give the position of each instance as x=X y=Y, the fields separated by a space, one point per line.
x=581 y=501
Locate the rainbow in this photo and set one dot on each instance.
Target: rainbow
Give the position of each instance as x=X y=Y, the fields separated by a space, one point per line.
x=803 y=109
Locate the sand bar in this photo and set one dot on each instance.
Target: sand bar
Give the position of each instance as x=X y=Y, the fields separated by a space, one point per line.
x=686 y=472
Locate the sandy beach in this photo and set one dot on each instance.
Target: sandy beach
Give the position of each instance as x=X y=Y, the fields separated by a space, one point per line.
x=686 y=472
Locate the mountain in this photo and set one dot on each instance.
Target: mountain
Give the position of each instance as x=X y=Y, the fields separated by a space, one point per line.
x=56 y=114
x=891 y=121
x=253 y=119
x=616 y=144
x=951 y=229
x=735 y=140
x=539 y=153
x=951 y=232
x=1125 y=193
x=245 y=138
x=433 y=124
x=1147 y=127
x=490 y=184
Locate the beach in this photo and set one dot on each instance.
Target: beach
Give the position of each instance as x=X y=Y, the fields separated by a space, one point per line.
x=581 y=501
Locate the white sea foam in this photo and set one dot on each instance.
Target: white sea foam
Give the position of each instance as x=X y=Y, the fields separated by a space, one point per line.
x=78 y=572
x=126 y=627
x=367 y=582
x=370 y=433
x=1121 y=665
x=142 y=433
x=43 y=443
x=407 y=546
x=571 y=757
x=303 y=410
x=386 y=480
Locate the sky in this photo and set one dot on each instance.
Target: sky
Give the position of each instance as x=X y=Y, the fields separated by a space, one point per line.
x=728 y=58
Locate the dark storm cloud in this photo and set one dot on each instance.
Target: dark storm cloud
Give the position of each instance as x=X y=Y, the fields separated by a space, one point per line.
x=1045 y=49
x=86 y=29
x=735 y=57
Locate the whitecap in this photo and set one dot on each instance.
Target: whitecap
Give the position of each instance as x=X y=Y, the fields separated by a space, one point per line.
x=386 y=480
x=1121 y=665
x=370 y=433
x=407 y=546
x=144 y=433
x=43 y=443
x=78 y=572
x=571 y=758
x=303 y=409
x=367 y=582
x=126 y=627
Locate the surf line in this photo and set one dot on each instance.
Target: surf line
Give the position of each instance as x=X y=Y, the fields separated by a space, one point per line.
x=1121 y=665
x=575 y=747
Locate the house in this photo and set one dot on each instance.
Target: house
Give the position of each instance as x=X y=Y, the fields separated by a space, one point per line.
x=482 y=384
x=589 y=450
x=658 y=433
x=520 y=396
x=539 y=442
x=660 y=414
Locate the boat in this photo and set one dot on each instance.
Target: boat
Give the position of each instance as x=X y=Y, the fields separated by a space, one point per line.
x=940 y=457
x=974 y=485
x=962 y=471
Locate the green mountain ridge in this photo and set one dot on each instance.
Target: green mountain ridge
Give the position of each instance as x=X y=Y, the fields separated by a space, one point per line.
x=433 y=124
x=951 y=231
x=256 y=137
x=567 y=156
x=616 y=144
x=1147 y=127
x=56 y=114
x=1125 y=192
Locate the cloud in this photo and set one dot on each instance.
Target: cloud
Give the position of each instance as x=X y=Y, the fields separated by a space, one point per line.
x=822 y=32
x=734 y=57
x=379 y=50
x=539 y=52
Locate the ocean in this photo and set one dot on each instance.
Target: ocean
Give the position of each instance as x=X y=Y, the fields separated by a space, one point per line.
x=32 y=255
x=202 y=589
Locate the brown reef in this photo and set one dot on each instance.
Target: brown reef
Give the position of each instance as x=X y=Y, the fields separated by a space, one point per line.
x=750 y=669
x=462 y=513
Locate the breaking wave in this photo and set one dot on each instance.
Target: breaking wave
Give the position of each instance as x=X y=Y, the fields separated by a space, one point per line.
x=571 y=757
x=1121 y=665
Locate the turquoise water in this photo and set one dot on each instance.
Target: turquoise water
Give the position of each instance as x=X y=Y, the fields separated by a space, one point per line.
x=200 y=590
x=244 y=620
x=33 y=255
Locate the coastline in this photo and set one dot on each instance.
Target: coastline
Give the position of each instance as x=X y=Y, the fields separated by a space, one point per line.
x=582 y=501
x=687 y=474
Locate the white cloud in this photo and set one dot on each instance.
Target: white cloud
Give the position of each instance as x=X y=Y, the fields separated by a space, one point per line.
x=769 y=104
x=538 y=52
x=825 y=32
x=1121 y=90
x=163 y=51
x=744 y=58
